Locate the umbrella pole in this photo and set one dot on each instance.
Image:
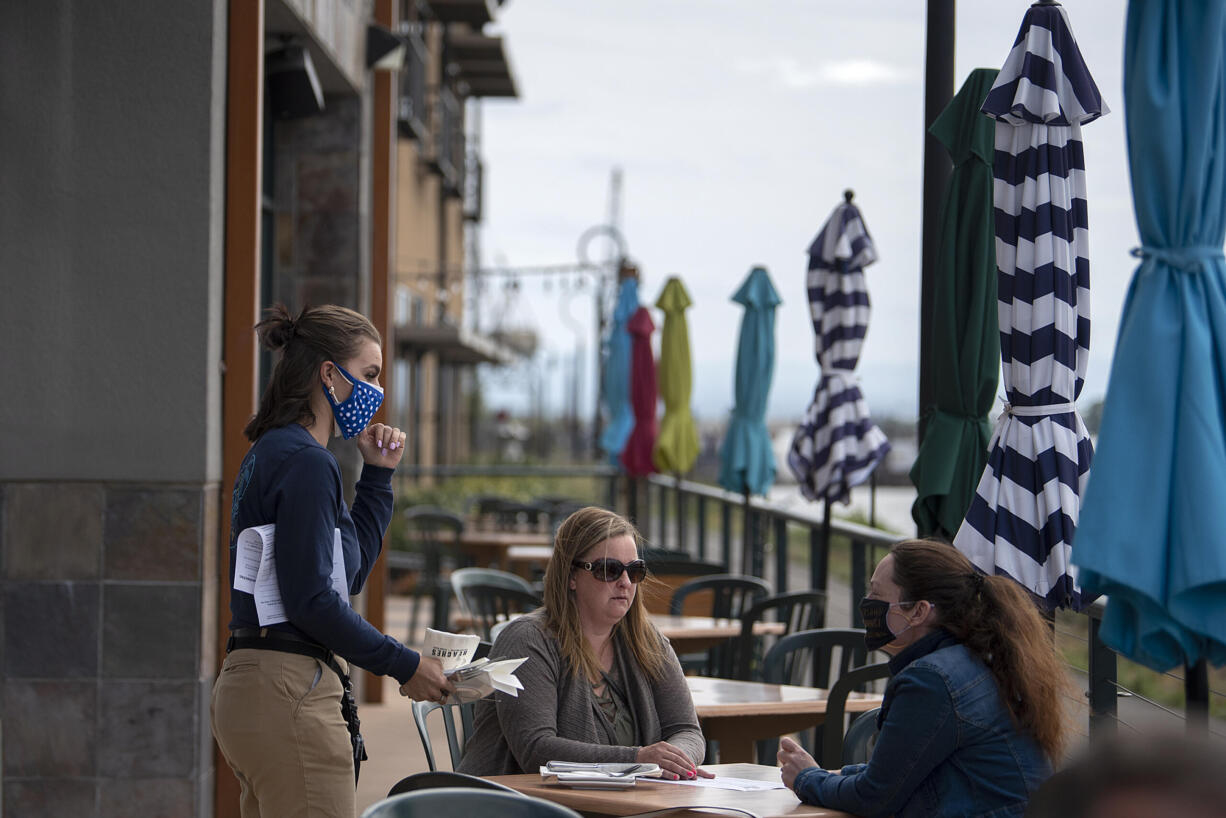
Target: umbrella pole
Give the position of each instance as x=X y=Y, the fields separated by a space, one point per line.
x=1196 y=696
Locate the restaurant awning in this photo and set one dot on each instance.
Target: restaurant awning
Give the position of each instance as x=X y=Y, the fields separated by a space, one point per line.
x=482 y=64
x=454 y=345
x=474 y=12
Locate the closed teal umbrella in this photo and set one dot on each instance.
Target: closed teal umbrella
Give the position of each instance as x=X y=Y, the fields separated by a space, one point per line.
x=616 y=381
x=1152 y=534
x=747 y=461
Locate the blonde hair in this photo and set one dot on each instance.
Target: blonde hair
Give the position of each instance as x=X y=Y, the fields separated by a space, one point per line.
x=578 y=534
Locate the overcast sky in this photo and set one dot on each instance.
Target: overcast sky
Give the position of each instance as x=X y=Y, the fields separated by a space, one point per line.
x=737 y=124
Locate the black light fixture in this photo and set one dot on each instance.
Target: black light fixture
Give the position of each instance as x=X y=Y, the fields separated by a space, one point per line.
x=384 y=49
x=291 y=82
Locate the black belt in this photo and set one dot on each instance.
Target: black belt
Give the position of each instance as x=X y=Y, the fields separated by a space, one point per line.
x=288 y=642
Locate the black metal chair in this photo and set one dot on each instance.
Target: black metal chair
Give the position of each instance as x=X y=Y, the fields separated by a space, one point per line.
x=833 y=738
x=491 y=596
x=860 y=738
x=798 y=611
x=433 y=535
x=815 y=658
x=466 y=802
x=732 y=595
x=434 y=779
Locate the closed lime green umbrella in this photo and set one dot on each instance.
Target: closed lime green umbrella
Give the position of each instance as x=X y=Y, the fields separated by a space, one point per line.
x=677 y=445
x=965 y=333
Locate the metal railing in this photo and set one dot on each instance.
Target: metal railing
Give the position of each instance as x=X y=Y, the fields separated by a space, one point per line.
x=414 y=114
x=449 y=141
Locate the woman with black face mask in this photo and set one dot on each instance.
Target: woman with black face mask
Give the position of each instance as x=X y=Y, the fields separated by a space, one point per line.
x=283 y=713
x=971 y=721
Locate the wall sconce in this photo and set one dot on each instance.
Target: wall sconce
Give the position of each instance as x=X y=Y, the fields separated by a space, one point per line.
x=291 y=82
x=384 y=49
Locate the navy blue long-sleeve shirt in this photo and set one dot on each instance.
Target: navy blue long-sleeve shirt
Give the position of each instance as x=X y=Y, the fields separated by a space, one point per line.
x=288 y=479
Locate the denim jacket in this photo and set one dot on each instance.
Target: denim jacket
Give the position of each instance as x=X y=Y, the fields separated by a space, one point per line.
x=947 y=745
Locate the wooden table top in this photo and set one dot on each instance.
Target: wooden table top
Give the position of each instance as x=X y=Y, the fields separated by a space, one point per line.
x=706 y=627
x=648 y=795
x=473 y=537
x=727 y=697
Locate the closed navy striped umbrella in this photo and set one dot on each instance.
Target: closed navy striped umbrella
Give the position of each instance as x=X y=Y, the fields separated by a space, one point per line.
x=1024 y=514
x=837 y=445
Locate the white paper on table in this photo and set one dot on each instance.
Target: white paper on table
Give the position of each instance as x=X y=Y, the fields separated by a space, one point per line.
x=255 y=571
x=724 y=783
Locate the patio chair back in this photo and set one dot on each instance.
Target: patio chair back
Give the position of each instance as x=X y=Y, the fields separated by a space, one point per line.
x=814 y=658
x=491 y=596
x=434 y=779
x=433 y=534
x=730 y=595
x=459 y=802
x=860 y=738
x=833 y=740
x=456 y=738
x=795 y=610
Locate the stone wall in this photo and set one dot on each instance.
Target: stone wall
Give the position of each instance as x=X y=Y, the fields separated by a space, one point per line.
x=108 y=596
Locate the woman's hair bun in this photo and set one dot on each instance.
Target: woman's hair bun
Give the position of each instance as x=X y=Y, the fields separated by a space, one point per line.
x=277 y=328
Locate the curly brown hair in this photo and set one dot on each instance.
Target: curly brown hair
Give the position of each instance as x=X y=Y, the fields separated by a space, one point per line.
x=1000 y=624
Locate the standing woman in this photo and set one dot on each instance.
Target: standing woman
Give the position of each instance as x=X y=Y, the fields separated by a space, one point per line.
x=277 y=703
x=971 y=721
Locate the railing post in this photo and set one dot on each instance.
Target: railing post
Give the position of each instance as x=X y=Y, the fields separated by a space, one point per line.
x=645 y=488
x=662 y=515
x=702 y=527
x=1196 y=696
x=1104 y=702
x=725 y=516
x=781 y=555
x=681 y=521
x=819 y=558
x=754 y=542
x=612 y=491
x=859 y=580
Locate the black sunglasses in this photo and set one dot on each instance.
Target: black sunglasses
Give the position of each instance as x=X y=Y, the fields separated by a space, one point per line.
x=608 y=570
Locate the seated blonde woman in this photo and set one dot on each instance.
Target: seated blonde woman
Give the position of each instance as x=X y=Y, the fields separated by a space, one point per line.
x=600 y=684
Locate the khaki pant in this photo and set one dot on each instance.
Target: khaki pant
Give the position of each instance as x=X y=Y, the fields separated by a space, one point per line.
x=277 y=718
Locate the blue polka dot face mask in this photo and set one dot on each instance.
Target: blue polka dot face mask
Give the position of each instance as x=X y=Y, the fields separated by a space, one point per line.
x=354 y=412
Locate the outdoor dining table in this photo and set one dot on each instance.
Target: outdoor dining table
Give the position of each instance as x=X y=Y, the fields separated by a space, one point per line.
x=691 y=634
x=737 y=714
x=502 y=548
x=648 y=795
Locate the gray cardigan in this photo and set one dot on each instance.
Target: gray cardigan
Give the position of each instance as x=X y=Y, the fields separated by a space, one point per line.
x=556 y=718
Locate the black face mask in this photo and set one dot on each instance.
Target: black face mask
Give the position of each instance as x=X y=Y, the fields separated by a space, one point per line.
x=877 y=633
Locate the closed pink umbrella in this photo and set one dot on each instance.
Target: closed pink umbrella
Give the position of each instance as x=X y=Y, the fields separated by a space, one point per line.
x=636 y=456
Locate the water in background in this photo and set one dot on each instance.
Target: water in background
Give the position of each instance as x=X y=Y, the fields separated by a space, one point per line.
x=893 y=505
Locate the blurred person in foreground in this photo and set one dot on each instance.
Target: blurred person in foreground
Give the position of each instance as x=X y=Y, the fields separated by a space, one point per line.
x=1138 y=776
x=600 y=684
x=971 y=722
x=282 y=709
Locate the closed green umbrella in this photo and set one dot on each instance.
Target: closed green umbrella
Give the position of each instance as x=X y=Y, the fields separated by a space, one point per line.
x=965 y=339
x=677 y=444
